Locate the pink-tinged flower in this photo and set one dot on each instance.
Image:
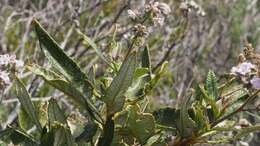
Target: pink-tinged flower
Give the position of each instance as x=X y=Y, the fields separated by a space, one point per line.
x=255 y=82
x=4 y=59
x=10 y=59
x=4 y=77
x=7 y=59
x=159 y=8
x=165 y=9
x=242 y=69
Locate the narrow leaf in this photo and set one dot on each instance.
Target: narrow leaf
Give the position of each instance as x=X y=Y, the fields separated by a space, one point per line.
x=146 y=61
x=26 y=103
x=59 y=83
x=108 y=134
x=55 y=113
x=6 y=132
x=24 y=122
x=62 y=134
x=18 y=136
x=246 y=131
x=69 y=67
x=211 y=85
x=166 y=116
x=62 y=137
x=121 y=82
x=64 y=86
x=88 y=133
x=185 y=124
x=209 y=101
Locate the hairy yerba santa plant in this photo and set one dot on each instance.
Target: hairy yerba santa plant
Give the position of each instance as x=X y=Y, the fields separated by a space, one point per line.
x=113 y=109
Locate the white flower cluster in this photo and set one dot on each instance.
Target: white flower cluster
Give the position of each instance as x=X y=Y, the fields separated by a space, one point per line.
x=158 y=8
x=159 y=11
x=4 y=77
x=5 y=62
x=192 y=6
x=133 y=14
x=243 y=69
x=246 y=71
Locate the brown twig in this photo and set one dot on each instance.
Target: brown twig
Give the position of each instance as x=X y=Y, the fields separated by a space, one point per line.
x=250 y=98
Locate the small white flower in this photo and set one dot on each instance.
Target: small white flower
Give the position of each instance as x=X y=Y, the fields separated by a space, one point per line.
x=19 y=63
x=4 y=77
x=193 y=4
x=12 y=59
x=4 y=59
x=132 y=14
x=7 y=59
x=242 y=69
x=184 y=6
x=255 y=82
x=158 y=21
x=153 y=7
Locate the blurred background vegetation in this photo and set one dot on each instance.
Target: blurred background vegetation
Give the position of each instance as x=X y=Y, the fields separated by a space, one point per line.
x=192 y=42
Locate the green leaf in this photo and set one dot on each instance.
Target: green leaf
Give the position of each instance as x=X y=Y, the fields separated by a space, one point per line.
x=62 y=137
x=146 y=62
x=64 y=86
x=141 y=72
x=92 y=75
x=88 y=133
x=61 y=133
x=47 y=138
x=143 y=127
x=210 y=101
x=26 y=103
x=159 y=74
x=6 y=132
x=211 y=85
x=136 y=90
x=136 y=124
x=108 y=132
x=118 y=140
x=64 y=63
x=185 y=125
x=19 y=136
x=59 y=83
x=246 y=131
x=119 y=85
x=166 y=116
x=55 y=113
x=200 y=118
x=155 y=141
x=24 y=122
